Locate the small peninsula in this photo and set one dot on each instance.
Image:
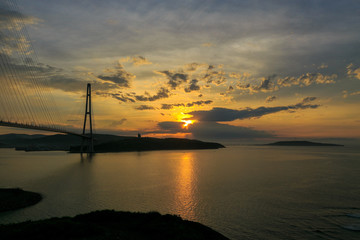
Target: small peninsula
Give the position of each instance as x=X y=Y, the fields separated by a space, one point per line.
x=149 y=144
x=15 y=198
x=110 y=224
x=302 y=143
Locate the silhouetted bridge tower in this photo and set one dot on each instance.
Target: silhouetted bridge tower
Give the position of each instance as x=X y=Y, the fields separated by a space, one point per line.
x=89 y=138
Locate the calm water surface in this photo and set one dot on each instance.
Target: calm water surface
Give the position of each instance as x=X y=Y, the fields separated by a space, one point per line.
x=244 y=192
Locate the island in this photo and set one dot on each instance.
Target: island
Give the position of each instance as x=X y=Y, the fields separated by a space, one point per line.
x=301 y=143
x=102 y=143
x=15 y=198
x=110 y=224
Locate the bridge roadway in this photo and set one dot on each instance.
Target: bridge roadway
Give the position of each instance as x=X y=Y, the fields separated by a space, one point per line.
x=38 y=127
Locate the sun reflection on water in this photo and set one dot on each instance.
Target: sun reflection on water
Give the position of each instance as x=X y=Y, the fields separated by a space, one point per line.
x=185 y=200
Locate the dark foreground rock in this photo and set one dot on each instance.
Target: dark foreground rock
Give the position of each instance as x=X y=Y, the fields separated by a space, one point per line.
x=109 y=224
x=302 y=143
x=148 y=144
x=15 y=198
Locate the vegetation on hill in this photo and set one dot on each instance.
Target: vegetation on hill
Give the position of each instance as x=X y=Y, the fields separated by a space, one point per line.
x=109 y=224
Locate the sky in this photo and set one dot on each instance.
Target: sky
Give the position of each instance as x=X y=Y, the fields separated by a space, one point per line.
x=206 y=69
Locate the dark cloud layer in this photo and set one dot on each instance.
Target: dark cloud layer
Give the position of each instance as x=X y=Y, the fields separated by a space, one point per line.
x=225 y=114
x=213 y=130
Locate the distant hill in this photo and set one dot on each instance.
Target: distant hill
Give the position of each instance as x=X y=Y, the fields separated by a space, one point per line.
x=102 y=143
x=301 y=143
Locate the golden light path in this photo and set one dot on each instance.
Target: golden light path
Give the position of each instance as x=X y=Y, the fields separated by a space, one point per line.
x=186 y=187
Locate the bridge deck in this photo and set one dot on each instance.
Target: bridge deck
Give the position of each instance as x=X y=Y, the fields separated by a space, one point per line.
x=39 y=127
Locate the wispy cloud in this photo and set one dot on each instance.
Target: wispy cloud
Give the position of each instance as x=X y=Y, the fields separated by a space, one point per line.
x=307 y=79
x=166 y=106
x=352 y=71
x=270 y=99
x=144 y=107
x=136 y=60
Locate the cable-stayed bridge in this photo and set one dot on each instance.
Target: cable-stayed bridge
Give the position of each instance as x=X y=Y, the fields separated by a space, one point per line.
x=26 y=99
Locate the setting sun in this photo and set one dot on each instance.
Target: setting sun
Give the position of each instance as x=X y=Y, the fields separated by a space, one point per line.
x=187 y=123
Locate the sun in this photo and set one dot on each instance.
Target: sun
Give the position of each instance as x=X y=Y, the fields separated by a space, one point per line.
x=187 y=123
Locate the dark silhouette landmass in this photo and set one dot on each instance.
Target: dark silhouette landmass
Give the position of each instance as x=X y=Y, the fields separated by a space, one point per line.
x=102 y=143
x=301 y=143
x=148 y=144
x=15 y=198
x=109 y=224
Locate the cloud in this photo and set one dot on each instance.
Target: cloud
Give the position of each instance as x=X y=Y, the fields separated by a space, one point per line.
x=214 y=74
x=140 y=60
x=175 y=78
x=192 y=86
x=118 y=75
x=118 y=123
x=122 y=97
x=132 y=97
x=212 y=130
x=199 y=103
x=12 y=39
x=192 y=67
x=308 y=99
x=162 y=93
x=166 y=106
x=322 y=66
x=225 y=114
x=144 y=107
x=355 y=93
x=270 y=99
x=353 y=72
x=191 y=104
x=266 y=85
x=240 y=76
x=307 y=79
x=14 y=20
x=207 y=44
x=346 y=93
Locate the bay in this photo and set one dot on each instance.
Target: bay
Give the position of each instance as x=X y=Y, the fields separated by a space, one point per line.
x=244 y=192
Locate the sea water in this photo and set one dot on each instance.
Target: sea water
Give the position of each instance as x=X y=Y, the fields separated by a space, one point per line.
x=244 y=192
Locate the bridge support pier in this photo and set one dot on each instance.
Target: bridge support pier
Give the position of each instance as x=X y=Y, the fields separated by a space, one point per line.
x=89 y=137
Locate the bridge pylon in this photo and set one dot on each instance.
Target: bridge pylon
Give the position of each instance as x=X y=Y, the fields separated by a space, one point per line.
x=88 y=138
